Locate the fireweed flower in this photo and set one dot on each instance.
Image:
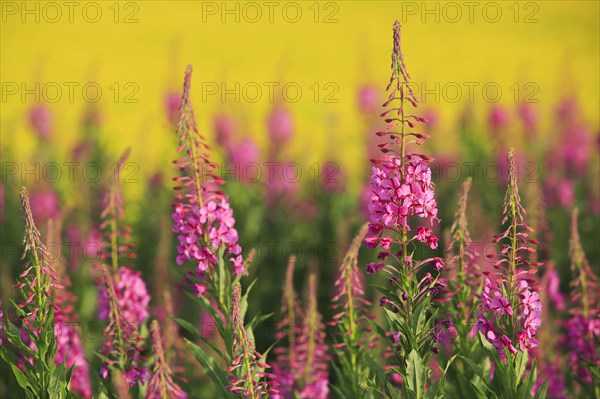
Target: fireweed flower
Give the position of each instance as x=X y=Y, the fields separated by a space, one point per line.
x=280 y=125
x=464 y=273
x=248 y=377
x=301 y=369
x=69 y=348
x=511 y=307
x=172 y=102
x=401 y=190
x=312 y=376
x=203 y=219
x=123 y=347
x=40 y=119
x=124 y=292
x=289 y=328
x=132 y=295
x=36 y=343
x=161 y=384
x=583 y=328
x=351 y=307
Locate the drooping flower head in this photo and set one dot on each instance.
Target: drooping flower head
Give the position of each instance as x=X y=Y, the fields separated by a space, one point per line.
x=511 y=307
x=204 y=221
x=161 y=384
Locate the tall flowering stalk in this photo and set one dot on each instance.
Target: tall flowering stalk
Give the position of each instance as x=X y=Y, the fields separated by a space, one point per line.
x=288 y=329
x=465 y=275
x=248 y=378
x=301 y=369
x=161 y=384
x=205 y=228
x=66 y=323
x=123 y=296
x=511 y=309
x=351 y=308
x=312 y=373
x=35 y=344
x=401 y=190
x=583 y=328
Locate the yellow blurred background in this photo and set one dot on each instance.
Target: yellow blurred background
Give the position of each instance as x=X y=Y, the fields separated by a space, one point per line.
x=552 y=44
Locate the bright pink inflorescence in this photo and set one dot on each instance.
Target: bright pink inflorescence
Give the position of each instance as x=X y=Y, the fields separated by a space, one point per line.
x=499 y=314
x=132 y=296
x=401 y=184
x=204 y=221
x=511 y=307
x=69 y=346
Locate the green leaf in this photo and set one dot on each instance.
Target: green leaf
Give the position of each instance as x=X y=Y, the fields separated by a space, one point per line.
x=415 y=374
x=214 y=371
x=22 y=380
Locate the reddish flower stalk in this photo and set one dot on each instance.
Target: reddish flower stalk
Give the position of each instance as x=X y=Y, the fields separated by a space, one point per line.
x=467 y=271
x=511 y=305
x=203 y=219
x=69 y=349
x=39 y=277
x=312 y=356
x=349 y=300
x=161 y=384
x=288 y=327
x=401 y=181
x=583 y=328
x=584 y=285
x=122 y=349
x=248 y=376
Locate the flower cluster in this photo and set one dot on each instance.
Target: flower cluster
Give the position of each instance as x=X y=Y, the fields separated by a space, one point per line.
x=122 y=350
x=501 y=317
x=398 y=194
x=213 y=223
x=69 y=346
x=132 y=296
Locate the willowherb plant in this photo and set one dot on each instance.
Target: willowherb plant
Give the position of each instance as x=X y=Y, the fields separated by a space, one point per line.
x=204 y=221
x=312 y=376
x=70 y=349
x=351 y=306
x=161 y=384
x=510 y=305
x=123 y=297
x=301 y=369
x=122 y=350
x=248 y=376
x=206 y=232
x=33 y=360
x=583 y=327
x=289 y=328
x=401 y=190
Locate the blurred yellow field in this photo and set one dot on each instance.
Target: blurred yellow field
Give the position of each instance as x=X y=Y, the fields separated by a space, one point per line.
x=460 y=53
